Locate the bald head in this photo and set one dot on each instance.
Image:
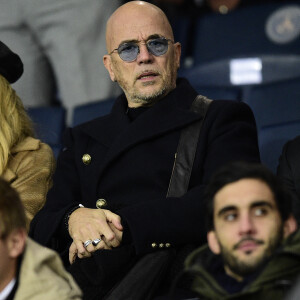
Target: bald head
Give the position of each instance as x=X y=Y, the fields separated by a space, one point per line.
x=135 y=16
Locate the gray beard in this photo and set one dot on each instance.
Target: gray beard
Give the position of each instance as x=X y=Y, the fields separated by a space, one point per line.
x=148 y=99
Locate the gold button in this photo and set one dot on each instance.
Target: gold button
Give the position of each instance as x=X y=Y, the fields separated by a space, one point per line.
x=161 y=245
x=154 y=245
x=100 y=203
x=168 y=245
x=86 y=159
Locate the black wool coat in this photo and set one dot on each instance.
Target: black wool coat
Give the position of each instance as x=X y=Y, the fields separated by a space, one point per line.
x=289 y=172
x=131 y=164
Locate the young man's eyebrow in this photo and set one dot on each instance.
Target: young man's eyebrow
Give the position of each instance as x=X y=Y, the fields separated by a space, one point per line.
x=262 y=203
x=226 y=209
x=253 y=205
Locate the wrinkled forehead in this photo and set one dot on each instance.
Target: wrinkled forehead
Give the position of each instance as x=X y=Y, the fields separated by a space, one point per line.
x=136 y=25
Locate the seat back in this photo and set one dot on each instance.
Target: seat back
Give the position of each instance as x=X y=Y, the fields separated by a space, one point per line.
x=250 y=31
x=181 y=27
x=86 y=112
x=276 y=107
x=49 y=125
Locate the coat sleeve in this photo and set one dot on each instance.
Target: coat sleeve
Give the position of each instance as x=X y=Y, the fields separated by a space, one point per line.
x=289 y=172
x=46 y=224
x=34 y=178
x=228 y=134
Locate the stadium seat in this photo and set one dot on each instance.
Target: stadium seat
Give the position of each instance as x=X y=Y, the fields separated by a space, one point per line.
x=181 y=27
x=250 y=31
x=254 y=45
x=276 y=107
x=92 y=110
x=212 y=80
x=49 y=125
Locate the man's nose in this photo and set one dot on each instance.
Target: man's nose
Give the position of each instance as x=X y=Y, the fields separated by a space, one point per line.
x=246 y=224
x=144 y=56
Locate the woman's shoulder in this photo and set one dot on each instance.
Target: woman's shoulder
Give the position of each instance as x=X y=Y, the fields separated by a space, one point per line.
x=27 y=144
x=33 y=146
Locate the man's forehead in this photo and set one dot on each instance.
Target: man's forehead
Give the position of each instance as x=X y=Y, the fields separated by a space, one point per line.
x=136 y=37
x=246 y=206
x=139 y=30
x=243 y=194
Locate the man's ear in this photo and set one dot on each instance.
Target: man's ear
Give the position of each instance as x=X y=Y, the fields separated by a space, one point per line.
x=289 y=226
x=108 y=65
x=16 y=241
x=213 y=242
x=177 y=48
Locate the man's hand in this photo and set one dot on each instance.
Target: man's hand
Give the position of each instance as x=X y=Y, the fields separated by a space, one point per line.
x=90 y=224
x=118 y=235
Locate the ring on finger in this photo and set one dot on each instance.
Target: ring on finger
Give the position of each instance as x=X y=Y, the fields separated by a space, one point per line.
x=86 y=243
x=96 y=242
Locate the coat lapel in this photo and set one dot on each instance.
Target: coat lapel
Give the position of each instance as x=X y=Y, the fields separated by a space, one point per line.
x=117 y=134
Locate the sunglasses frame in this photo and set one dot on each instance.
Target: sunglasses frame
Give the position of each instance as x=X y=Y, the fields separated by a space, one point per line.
x=144 y=42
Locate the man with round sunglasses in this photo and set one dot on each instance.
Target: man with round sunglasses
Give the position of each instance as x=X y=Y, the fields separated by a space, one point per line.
x=129 y=51
x=108 y=205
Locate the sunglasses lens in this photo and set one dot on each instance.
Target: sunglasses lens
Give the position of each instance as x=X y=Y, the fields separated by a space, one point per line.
x=158 y=46
x=128 y=51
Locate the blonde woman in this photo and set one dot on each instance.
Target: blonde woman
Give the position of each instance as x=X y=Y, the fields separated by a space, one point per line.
x=25 y=162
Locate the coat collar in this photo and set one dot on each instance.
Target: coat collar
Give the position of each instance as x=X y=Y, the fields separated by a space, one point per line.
x=170 y=113
x=28 y=144
x=116 y=133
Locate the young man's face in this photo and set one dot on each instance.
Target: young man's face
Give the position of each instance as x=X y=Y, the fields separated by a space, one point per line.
x=247 y=226
x=11 y=247
x=6 y=263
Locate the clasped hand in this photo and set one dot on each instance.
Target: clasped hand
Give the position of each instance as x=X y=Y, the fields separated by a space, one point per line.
x=91 y=224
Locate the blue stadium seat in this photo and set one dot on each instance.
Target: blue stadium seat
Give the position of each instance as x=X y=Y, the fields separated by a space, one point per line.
x=250 y=31
x=219 y=73
x=267 y=34
x=92 y=110
x=212 y=80
x=49 y=125
x=276 y=107
x=181 y=27
x=217 y=93
x=272 y=140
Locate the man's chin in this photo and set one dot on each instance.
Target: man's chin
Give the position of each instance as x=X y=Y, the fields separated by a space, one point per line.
x=248 y=265
x=149 y=88
x=251 y=257
x=151 y=95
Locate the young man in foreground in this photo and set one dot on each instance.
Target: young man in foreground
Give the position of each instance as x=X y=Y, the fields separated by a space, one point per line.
x=253 y=249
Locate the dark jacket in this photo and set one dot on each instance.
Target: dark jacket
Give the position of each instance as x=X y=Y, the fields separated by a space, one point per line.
x=273 y=282
x=289 y=171
x=131 y=165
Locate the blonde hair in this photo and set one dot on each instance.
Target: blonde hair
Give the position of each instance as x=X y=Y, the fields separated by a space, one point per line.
x=15 y=124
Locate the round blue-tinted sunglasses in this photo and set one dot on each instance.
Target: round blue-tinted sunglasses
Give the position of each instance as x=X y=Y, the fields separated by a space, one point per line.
x=129 y=51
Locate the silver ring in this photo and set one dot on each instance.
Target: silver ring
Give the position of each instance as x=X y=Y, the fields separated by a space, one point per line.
x=86 y=243
x=96 y=242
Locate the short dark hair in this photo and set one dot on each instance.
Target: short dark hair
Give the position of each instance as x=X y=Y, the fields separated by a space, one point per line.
x=235 y=171
x=12 y=215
